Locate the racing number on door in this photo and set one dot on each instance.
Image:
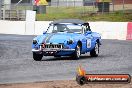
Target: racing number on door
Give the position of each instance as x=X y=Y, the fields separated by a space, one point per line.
x=88 y=43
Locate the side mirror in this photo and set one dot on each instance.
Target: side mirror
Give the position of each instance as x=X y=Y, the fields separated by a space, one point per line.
x=44 y=32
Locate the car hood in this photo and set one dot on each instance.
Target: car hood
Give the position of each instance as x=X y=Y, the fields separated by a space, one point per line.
x=60 y=37
x=56 y=38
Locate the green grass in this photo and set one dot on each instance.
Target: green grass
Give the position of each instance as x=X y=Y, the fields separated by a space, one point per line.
x=84 y=13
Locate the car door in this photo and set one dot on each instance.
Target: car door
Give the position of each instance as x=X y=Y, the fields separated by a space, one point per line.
x=90 y=41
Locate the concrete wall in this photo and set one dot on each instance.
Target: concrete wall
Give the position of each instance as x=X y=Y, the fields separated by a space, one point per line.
x=23 y=27
x=12 y=27
x=108 y=30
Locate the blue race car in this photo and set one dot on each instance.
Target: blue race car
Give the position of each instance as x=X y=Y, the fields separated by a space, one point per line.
x=69 y=37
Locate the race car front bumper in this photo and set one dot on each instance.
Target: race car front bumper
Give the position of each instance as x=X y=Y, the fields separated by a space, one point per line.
x=51 y=50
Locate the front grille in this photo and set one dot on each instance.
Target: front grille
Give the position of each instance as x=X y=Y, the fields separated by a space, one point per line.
x=60 y=46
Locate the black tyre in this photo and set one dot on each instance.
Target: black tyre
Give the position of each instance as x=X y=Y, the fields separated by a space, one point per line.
x=95 y=51
x=81 y=80
x=77 y=52
x=37 y=57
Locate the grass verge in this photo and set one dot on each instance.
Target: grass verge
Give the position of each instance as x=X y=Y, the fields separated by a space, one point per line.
x=114 y=17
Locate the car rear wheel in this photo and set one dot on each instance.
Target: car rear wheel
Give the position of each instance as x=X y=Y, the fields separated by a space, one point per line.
x=95 y=51
x=77 y=52
x=37 y=57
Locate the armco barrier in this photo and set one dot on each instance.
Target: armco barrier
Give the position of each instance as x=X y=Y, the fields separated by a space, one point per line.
x=108 y=30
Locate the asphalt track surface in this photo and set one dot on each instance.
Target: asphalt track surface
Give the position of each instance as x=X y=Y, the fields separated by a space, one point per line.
x=18 y=66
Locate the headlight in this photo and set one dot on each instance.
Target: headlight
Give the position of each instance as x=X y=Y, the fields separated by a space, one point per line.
x=70 y=42
x=34 y=41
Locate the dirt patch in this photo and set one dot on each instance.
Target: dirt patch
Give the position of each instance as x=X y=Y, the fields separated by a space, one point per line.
x=63 y=84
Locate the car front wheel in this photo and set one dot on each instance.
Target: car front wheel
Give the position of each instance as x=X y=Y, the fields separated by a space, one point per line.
x=77 y=52
x=37 y=57
x=95 y=51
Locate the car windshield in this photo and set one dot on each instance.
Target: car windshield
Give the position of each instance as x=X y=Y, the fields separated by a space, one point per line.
x=71 y=28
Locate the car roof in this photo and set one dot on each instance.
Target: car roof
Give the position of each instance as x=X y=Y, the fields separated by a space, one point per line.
x=74 y=21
